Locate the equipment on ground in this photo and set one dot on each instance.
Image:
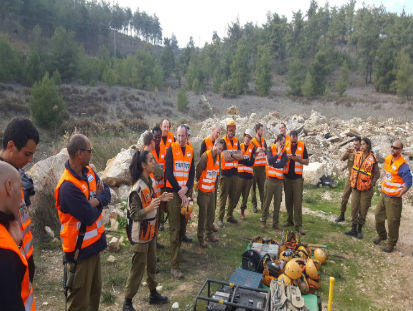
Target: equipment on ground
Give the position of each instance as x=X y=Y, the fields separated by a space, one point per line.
x=263 y=249
x=231 y=297
x=320 y=255
x=187 y=210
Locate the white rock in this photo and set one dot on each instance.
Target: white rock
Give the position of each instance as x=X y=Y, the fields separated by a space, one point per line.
x=116 y=172
x=175 y=305
x=114 y=224
x=313 y=172
x=49 y=231
x=123 y=192
x=114 y=244
x=159 y=288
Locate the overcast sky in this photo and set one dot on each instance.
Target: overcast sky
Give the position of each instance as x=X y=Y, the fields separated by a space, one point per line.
x=200 y=19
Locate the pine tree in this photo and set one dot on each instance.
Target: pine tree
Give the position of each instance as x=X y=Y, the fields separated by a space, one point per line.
x=308 y=87
x=404 y=76
x=295 y=76
x=182 y=100
x=239 y=68
x=263 y=71
x=341 y=83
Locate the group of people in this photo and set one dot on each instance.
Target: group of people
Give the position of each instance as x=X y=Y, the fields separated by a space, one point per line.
x=364 y=172
x=163 y=178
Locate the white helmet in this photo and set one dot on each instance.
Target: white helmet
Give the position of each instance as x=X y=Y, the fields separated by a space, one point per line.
x=249 y=132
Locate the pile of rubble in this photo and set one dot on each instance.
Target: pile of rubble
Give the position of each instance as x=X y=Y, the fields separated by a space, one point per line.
x=326 y=140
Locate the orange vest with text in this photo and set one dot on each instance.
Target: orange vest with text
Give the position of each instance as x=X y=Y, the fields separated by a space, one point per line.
x=246 y=153
x=272 y=171
x=181 y=164
x=299 y=152
x=7 y=242
x=209 y=174
x=261 y=157
x=69 y=229
x=361 y=173
x=231 y=148
x=392 y=183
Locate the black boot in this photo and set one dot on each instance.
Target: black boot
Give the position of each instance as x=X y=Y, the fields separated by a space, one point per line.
x=359 y=232
x=157 y=299
x=353 y=231
x=127 y=305
x=340 y=218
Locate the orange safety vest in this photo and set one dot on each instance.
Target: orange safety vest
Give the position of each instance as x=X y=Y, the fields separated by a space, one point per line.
x=272 y=171
x=299 y=152
x=69 y=229
x=246 y=153
x=209 y=174
x=231 y=148
x=157 y=184
x=7 y=242
x=208 y=143
x=361 y=174
x=261 y=157
x=24 y=222
x=392 y=183
x=143 y=231
x=181 y=164
x=169 y=140
x=287 y=141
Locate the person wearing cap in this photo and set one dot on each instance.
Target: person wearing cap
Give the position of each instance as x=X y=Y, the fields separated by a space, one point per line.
x=245 y=170
x=259 y=166
x=229 y=171
x=293 y=181
x=397 y=180
x=274 y=171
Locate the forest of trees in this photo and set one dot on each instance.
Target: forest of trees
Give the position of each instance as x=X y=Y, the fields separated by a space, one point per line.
x=315 y=51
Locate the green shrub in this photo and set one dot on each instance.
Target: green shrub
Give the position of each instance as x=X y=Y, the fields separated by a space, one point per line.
x=228 y=89
x=45 y=104
x=182 y=101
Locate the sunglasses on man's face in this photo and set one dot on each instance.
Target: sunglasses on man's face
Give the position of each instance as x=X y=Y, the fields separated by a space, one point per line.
x=396 y=148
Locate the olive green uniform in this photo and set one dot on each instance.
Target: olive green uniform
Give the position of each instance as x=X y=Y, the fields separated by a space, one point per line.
x=258 y=182
x=361 y=200
x=389 y=208
x=177 y=228
x=227 y=188
x=243 y=187
x=273 y=190
x=349 y=156
x=87 y=285
x=144 y=255
x=206 y=202
x=293 y=189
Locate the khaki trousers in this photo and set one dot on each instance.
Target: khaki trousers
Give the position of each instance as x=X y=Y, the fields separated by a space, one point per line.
x=143 y=257
x=206 y=203
x=227 y=188
x=293 y=189
x=360 y=204
x=346 y=196
x=243 y=188
x=87 y=285
x=177 y=228
x=258 y=181
x=389 y=208
x=273 y=190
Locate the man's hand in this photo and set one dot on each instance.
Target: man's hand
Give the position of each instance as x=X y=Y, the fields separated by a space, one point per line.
x=166 y=196
x=15 y=232
x=183 y=191
x=99 y=187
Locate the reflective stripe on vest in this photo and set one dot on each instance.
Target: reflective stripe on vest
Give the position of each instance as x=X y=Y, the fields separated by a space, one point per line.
x=272 y=171
x=392 y=184
x=299 y=152
x=260 y=157
x=361 y=173
x=143 y=231
x=26 y=292
x=25 y=224
x=209 y=174
x=181 y=163
x=231 y=148
x=69 y=230
x=247 y=155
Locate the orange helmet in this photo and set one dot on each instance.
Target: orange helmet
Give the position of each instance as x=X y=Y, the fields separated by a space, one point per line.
x=311 y=270
x=284 y=279
x=293 y=270
x=320 y=255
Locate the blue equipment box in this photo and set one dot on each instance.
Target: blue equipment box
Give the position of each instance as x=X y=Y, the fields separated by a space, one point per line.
x=246 y=278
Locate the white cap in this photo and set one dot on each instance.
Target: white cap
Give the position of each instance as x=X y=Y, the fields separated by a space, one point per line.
x=249 y=132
